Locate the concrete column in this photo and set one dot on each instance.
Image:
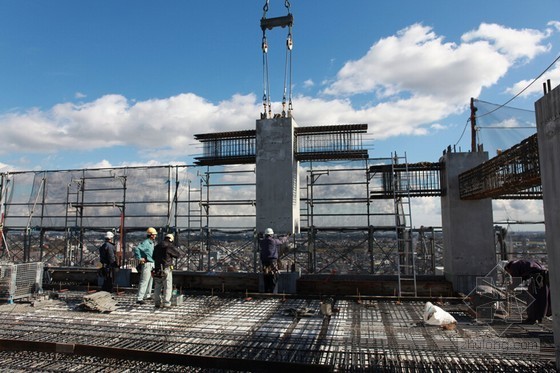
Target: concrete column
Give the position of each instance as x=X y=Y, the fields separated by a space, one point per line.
x=277 y=176
x=548 y=134
x=468 y=233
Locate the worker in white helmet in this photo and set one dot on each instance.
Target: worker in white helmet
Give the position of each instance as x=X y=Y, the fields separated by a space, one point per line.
x=269 y=246
x=108 y=261
x=143 y=252
x=164 y=254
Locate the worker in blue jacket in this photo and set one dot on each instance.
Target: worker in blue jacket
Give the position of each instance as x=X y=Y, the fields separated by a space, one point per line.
x=269 y=246
x=143 y=252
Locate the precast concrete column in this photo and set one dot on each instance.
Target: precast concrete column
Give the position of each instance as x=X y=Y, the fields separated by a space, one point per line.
x=468 y=233
x=277 y=192
x=548 y=134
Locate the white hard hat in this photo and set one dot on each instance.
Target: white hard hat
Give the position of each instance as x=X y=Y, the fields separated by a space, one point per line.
x=502 y=264
x=170 y=237
x=268 y=232
x=109 y=235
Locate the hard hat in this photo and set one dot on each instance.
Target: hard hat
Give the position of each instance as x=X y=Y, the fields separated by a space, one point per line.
x=268 y=232
x=109 y=235
x=151 y=231
x=502 y=264
x=169 y=237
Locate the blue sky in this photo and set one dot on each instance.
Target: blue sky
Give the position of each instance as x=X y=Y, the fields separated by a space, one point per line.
x=123 y=83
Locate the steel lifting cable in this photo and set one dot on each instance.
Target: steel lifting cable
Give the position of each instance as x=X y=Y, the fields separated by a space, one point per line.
x=288 y=75
x=266 y=83
x=270 y=24
x=288 y=68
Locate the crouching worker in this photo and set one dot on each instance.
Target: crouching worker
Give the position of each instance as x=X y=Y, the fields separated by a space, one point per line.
x=164 y=253
x=536 y=276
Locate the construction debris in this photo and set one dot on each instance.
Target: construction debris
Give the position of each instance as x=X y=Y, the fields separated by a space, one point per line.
x=434 y=315
x=100 y=301
x=300 y=312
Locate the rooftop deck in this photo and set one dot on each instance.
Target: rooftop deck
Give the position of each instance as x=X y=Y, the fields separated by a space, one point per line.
x=252 y=332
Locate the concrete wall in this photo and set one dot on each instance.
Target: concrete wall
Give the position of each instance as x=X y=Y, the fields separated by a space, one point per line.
x=277 y=176
x=468 y=232
x=548 y=134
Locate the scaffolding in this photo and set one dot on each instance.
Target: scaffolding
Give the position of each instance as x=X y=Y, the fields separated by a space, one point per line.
x=211 y=210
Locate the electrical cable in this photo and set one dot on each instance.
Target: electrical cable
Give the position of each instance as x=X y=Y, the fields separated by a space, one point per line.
x=523 y=90
x=511 y=99
x=463 y=133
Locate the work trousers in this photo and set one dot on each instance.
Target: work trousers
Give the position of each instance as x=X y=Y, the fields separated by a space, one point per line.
x=165 y=283
x=540 y=307
x=145 y=285
x=108 y=275
x=270 y=275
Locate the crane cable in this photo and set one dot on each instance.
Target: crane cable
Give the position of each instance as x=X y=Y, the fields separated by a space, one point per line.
x=287 y=95
x=288 y=70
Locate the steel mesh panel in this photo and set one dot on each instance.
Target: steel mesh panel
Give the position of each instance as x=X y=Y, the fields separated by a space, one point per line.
x=20 y=280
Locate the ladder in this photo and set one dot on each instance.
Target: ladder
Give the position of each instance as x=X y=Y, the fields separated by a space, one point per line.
x=406 y=256
x=196 y=212
x=73 y=219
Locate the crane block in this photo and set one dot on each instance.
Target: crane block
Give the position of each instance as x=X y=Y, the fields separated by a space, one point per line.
x=270 y=23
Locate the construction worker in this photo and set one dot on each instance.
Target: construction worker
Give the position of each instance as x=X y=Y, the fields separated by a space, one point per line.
x=164 y=253
x=536 y=276
x=269 y=258
x=108 y=261
x=143 y=252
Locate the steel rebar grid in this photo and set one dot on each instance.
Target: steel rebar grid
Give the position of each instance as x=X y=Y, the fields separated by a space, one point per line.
x=360 y=336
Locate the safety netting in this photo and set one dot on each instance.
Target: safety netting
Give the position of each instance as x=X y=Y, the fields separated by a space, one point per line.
x=500 y=127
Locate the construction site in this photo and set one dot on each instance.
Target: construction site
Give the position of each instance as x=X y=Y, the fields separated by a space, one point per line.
x=355 y=277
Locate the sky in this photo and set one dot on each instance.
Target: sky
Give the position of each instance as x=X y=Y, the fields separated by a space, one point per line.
x=88 y=84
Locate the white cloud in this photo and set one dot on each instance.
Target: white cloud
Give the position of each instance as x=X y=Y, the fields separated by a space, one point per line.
x=308 y=83
x=79 y=95
x=417 y=77
x=418 y=62
x=522 y=211
x=5 y=167
x=113 y=120
x=554 y=24
x=537 y=87
x=512 y=43
x=148 y=163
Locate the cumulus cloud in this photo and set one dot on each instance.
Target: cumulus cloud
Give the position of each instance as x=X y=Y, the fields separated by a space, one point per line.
x=522 y=211
x=417 y=79
x=114 y=120
x=526 y=88
x=5 y=167
x=511 y=43
x=308 y=83
x=411 y=82
x=418 y=61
